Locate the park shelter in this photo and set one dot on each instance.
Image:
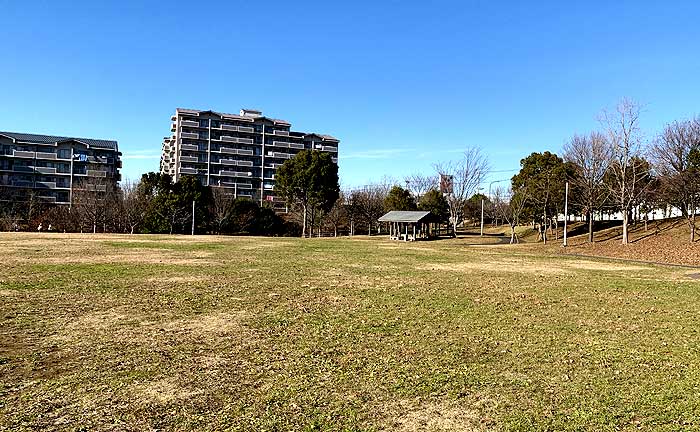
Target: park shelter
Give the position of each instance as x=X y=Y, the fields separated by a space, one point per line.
x=408 y=225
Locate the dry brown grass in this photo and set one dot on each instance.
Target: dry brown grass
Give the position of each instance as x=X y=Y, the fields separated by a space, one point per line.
x=437 y=417
x=131 y=333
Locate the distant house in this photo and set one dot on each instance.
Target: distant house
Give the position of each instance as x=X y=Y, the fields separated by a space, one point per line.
x=409 y=225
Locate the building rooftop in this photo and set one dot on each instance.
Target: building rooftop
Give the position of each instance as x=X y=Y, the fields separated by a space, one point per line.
x=249 y=115
x=51 y=139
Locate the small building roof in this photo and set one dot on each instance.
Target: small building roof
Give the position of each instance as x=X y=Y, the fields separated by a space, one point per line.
x=406 y=216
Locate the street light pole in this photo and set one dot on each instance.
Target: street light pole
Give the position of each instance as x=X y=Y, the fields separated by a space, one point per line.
x=482 y=217
x=192 y=217
x=566 y=211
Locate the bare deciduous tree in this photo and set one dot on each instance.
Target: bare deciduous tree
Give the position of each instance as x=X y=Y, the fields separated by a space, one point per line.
x=591 y=155
x=510 y=206
x=467 y=174
x=627 y=146
x=337 y=216
x=370 y=203
x=674 y=154
x=418 y=184
x=134 y=205
x=222 y=206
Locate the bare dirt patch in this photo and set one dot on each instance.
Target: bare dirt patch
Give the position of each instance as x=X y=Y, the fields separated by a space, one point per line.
x=129 y=326
x=507 y=265
x=601 y=266
x=265 y=245
x=165 y=391
x=219 y=323
x=438 y=417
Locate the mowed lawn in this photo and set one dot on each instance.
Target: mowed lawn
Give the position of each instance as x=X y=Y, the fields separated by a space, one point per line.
x=207 y=333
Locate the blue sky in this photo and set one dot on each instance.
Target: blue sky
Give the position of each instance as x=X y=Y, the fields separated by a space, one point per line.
x=401 y=84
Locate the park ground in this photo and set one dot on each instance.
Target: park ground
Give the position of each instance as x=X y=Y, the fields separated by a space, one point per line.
x=112 y=332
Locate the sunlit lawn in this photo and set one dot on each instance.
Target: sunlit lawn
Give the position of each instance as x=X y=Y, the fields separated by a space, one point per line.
x=204 y=333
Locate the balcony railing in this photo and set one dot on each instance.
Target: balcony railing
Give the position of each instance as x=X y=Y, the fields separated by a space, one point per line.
x=96 y=173
x=24 y=169
x=229 y=127
x=236 y=139
x=190 y=147
x=22 y=183
x=49 y=185
x=280 y=155
x=229 y=150
x=189 y=159
x=280 y=144
x=298 y=146
x=188 y=171
x=329 y=149
x=236 y=185
x=24 y=154
x=45 y=170
x=236 y=173
x=189 y=123
x=189 y=135
x=246 y=129
x=280 y=132
x=45 y=155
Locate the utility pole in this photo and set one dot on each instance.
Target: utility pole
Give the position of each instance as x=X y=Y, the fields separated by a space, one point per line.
x=566 y=211
x=482 y=217
x=193 y=217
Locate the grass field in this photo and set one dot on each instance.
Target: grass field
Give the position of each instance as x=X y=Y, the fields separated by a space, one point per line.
x=206 y=333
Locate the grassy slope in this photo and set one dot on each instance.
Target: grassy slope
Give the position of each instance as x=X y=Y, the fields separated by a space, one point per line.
x=283 y=334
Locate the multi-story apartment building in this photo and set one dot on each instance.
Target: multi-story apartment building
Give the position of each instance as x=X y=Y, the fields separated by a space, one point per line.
x=55 y=167
x=240 y=152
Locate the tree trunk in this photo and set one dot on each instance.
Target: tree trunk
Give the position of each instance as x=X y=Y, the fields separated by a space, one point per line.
x=691 y=224
x=590 y=226
x=625 y=221
x=513 y=238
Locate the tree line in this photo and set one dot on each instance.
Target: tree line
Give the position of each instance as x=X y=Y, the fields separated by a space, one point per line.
x=612 y=170
x=153 y=205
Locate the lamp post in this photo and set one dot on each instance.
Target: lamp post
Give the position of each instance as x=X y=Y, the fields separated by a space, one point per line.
x=566 y=211
x=482 y=217
x=193 y=217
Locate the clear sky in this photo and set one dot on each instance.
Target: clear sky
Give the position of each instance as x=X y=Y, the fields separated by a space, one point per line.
x=402 y=84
